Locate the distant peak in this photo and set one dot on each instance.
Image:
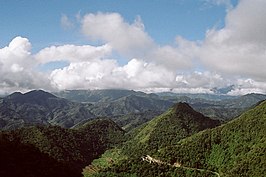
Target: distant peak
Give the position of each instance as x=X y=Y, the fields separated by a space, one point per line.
x=30 y=97
x=15 y=95
x=182 y=106
x=39 y=93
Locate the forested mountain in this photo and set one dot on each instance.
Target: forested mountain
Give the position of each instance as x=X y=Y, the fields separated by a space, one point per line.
x=66 y=148
x=180 y=135
x=225 y=108
x=94 y=96
x=178 y=122
x=129 y=104
x=132 y=120
x=39 y=107
x=121 y=102
x=237 y=148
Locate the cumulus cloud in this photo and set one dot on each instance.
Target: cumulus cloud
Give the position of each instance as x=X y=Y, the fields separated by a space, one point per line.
x=99 y=74
x=73 y=53
x=128 y=39
x=238 y=48
x=16 y=67
x=131 y=40
x=15 y=54
x=233 y=55
x=176 y=57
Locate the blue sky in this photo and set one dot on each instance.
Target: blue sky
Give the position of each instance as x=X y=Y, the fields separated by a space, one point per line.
x=39 y=20
x=159 y=45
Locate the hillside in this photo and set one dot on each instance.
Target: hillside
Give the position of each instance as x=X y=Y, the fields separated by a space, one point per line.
x=178 y=122
x=112 y=102
x=73 y=147
x=175 y=124
x=94 y=96
x=224 y=109
x=129 y=104
x=132 y=120
x=237 y=148
x=39 y=107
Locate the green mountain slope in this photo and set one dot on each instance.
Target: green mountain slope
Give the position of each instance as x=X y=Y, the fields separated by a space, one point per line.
x=178 y=122
x=74 y=147
x=112 y=102
x=129 y=104
x=237 y=148
x=130 y=121
x=216 y=106
x=94 y=96
x=39 y=107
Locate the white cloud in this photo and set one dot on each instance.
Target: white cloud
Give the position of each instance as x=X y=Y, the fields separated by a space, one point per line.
x=16 y=67
x=99 y=74
x=200 y=79
x=232 y=55
x=128 y=39
x=238 y=48
x=16 y=56
x=73 y=53
x=131 y=40
x=245 y=86
x=15 y=53
x=177 y=57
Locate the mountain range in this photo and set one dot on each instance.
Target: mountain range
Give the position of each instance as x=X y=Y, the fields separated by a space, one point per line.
x=45 y=135
x=111 y=102
x=123 y=106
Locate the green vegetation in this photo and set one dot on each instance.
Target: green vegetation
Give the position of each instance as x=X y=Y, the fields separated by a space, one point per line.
x=180 y=142
x=76 y=148
x=167 y=129
x=131 y=121
x=237 y=148
x=178 y=122
x=40 y=108
x=234 y=149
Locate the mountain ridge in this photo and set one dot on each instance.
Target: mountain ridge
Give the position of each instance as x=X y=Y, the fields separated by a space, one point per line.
x=40 y=107
x=237 y=147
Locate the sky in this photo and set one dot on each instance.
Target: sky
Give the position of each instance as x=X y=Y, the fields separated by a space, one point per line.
x=189 y=46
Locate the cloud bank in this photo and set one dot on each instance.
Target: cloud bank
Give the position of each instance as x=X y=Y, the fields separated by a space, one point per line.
x=232 y=55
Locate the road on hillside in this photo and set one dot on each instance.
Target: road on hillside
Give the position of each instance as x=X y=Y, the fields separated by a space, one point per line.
x=150 y=159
